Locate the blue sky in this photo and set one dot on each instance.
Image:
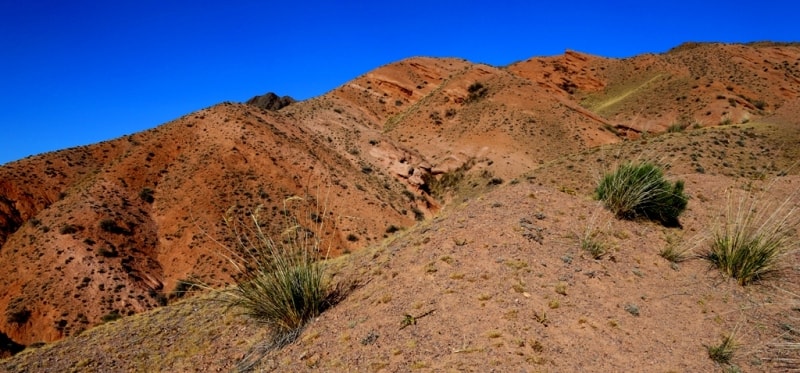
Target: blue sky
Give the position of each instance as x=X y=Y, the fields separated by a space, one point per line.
x=78 y=72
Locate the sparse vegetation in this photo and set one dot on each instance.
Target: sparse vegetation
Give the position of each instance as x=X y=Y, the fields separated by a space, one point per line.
x=676 y=127
x=182 y=287
x=476 y=92
x=539 y=262
x=755 y=235
x=723 y=352
x=674 y=251
x=594 y=247
x=17 y=312
x=68 y=229
x=640 y=190
x=561 y=288
x=674 y=254
x=108 y=252
x=147 y=195
x=439 y=186
x=111 y=316
x=110 y=226
x=418 y=214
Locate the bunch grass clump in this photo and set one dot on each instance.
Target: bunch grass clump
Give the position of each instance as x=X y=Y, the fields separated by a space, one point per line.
x=754 y=236
x=675 y=251
x=282 y=282
x=723 y=352
x=674 y=254
x=594 y=247
x=590 y=241
x=640 y=190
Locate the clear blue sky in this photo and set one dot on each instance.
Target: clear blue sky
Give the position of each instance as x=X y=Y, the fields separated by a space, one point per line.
x=78 y=72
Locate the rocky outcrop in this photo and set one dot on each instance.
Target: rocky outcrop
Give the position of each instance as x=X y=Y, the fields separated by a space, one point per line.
x=270 y=101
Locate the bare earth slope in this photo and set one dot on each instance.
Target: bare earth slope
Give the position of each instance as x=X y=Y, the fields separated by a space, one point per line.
x=96 y=245
x=500 y=282
x=703 y=84
x=111 y=229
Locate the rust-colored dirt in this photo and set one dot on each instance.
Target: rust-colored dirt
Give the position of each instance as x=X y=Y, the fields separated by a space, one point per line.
x=112 y=228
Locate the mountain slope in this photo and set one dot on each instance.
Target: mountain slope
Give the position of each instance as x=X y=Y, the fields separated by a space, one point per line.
x=113 y=229
x=501 y=282
x=124 y=234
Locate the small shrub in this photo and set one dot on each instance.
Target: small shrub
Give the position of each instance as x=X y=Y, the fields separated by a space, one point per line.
x=595 y=248
x=182 y=287
x=475 y=87
x=674 y=254
x=561 y=288
x=147 y=195
x=111 y=316
x=677 y=127
x=18 y=316
x=418 y=214
x=68 y=229
x=108 y=252
x=640 y=190
x=17 y=313
x=110 y=226
x=723 y=352
x=476 y=92
x=449 y=181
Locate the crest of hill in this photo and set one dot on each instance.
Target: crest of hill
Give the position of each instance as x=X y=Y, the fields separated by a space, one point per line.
x=696 y=84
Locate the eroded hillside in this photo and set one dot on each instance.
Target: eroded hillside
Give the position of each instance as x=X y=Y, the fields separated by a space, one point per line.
x=114 y=229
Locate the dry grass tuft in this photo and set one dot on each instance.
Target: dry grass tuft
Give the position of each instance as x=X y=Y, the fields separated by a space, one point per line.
x=723 y=352
x=754 y=237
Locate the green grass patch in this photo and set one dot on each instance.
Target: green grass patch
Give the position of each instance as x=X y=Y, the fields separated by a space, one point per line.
x=640 y=190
